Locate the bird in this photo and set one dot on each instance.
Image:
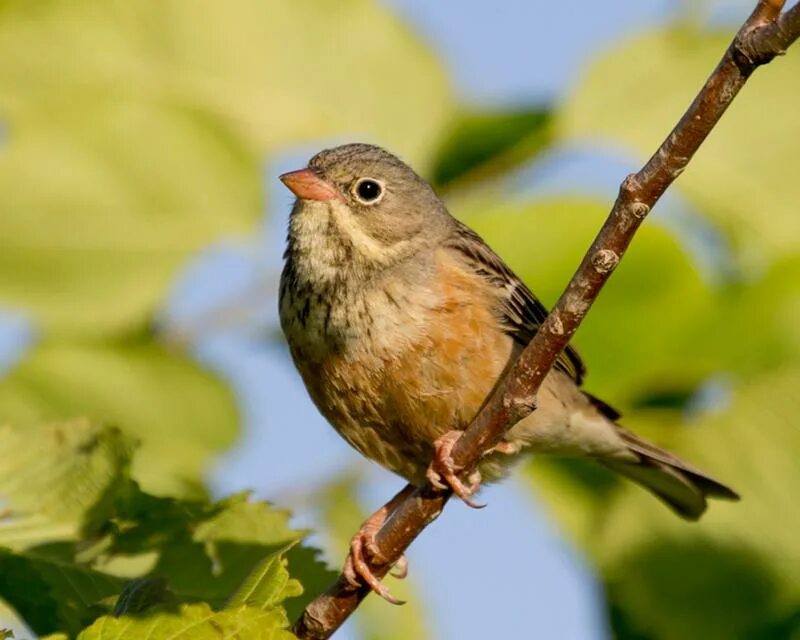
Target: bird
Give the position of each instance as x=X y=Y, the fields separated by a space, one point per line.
x=401 y=320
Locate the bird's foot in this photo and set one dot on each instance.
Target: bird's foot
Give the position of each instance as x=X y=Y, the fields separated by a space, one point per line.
x=443 y=473
x=364 y=553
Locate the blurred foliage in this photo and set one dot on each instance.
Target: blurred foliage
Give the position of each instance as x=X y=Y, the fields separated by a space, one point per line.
x=179 y=413
x=135 y=136
x=119 y=166
x=661 y=330
x=743 y=177
x=478 y=145
x=733 y=574
x=79 y=538
x=677 y=309
x=103 y=203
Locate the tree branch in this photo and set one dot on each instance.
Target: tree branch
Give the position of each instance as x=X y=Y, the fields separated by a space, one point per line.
x=764 y=35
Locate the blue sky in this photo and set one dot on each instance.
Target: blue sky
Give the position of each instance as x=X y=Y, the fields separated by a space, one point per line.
x=483 y=573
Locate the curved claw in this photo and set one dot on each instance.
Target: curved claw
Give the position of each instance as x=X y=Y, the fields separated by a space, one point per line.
x=356 y=569
x=442 y=472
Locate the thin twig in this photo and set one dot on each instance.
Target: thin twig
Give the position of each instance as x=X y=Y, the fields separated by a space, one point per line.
x=765 y=34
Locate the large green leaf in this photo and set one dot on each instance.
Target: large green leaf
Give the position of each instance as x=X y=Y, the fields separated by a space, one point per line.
x=267 y=585
x=57 y=482
x=208 y=551
x=275 y=72
x=482 y=144
x=193 y=622
x=53 y=592
x=104 y=202
x=746 y=554
x=53 y=477
x=658 y=329
x=743 y=177
x=733 y=574
x=136 y=133
x=180 y=414
x=103 y=529
x=210 y=556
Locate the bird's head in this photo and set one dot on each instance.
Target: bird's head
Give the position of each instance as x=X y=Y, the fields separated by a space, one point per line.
x=361 y=205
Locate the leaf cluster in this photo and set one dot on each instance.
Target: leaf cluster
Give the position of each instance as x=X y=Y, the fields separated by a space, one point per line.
x=85 y=552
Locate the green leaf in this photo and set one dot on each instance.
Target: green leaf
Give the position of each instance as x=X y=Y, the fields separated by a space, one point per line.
x=733 y=574
x=104 y=529
x=267 y=585
x=55 y=476
x=656 y=279
x=95 y=221
x=239 y=538
x=120 y=166
x=51 y=591
x=142 y=594
x=193 y=622
x=242 y=520
x=180 y=414
x=271 y=71
x=58 y=481
x=223 y=548
x=482 y=144
x=657 y=304
x=65 y=479
x=207 y=551
x=743 y=176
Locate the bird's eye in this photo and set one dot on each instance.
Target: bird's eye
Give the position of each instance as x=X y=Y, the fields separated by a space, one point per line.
x=368 y=190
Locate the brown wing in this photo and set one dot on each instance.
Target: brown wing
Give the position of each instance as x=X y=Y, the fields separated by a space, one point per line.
x=521 y=311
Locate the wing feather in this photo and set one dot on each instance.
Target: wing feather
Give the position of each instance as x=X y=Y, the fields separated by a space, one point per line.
x=521 y=312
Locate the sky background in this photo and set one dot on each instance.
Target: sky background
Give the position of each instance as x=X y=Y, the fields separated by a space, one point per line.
x=481 y=573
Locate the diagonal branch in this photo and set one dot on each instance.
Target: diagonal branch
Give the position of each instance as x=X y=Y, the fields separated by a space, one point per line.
x=765 y=34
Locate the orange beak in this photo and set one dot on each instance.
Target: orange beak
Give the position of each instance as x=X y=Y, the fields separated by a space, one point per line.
x=307 y=185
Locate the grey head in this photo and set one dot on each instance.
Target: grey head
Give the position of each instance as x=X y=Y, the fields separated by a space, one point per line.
x=373 y=204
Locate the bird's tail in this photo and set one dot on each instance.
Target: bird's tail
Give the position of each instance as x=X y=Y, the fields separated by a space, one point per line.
x=683 y=488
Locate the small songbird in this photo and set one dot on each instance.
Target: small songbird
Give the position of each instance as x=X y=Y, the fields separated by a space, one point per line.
x=401 y=319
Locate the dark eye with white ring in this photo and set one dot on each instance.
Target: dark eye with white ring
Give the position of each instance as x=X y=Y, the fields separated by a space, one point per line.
x=368 y=190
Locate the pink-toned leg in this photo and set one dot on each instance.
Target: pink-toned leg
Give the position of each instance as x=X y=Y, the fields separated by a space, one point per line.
x=363 y=552
x=443 y=473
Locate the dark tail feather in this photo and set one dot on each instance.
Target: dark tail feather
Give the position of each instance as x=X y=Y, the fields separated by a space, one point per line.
x=683 y=488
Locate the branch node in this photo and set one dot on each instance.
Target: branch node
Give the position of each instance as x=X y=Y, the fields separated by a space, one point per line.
x=640 y=209
x=520 y=406
x=603 y=261
x=759 y=45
